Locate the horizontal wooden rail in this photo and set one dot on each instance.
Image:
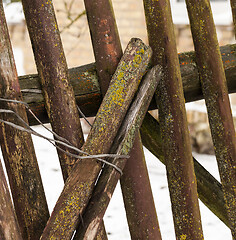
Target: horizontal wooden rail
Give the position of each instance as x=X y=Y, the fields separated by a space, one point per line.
x=88 y=96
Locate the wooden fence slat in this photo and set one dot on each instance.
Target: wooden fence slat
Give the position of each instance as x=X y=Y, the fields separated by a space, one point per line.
x=86 y=87
x=18 y=150
x=52 y=68
x=173 y=121
x=9 y=228
x=215 y=92
x=79 y=185
x=209 y=189
x=122 y=145
x=107 y=52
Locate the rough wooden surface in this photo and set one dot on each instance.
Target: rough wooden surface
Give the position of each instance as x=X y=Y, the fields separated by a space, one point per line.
x=79 y=185
x=18 y=150
x=122 y=146
x=9 y=228
x=107 y=52
x=87 y=91
x=209 y=189
x=212 y=76
x=52 y=68
x=173 y=122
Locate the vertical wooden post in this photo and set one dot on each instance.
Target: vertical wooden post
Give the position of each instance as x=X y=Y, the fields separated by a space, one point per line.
x=107 y=52
x=18 y=150
x=215 y=92
x=9 y=228
x=173 y=122
x=52 y=69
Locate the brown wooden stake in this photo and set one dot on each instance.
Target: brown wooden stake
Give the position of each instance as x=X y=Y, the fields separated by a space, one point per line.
x=173 y=122
x=122 y=146
x=209 y=189
x=9 y=228
x=52 y=68
x=107 y=52
x=215 y=92
x=79 y=185
x=18 y=150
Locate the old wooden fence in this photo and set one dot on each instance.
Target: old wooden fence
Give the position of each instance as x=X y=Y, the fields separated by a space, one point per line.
x=112 y=90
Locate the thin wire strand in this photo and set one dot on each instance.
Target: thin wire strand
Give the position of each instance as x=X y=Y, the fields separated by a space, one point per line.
x=54 y=142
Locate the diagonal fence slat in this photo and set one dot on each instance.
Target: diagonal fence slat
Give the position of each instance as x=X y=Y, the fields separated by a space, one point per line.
x=79 y=186
x=18 y=150
x=215 y=92
x=122 y=145
x=209 y=189
x=107 y=52
x=52 y=69
x=173 y=122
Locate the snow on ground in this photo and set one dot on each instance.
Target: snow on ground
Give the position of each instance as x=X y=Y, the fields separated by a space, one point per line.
x=115 y=221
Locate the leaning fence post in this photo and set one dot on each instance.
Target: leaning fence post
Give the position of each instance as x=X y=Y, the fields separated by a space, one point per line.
x=215 y=92
x=173 y=122
x=80 y=183
x=107 y=52
x=18 y=150
x=122 y=145
x=52 y=68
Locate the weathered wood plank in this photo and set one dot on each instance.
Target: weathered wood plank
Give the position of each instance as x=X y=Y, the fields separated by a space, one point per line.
x=86 y=87
x=173 y=122
x=17 y=148
x=79 y=186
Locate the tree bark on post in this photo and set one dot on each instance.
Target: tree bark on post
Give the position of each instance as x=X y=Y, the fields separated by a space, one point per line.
x=107 y=52
x=79 y=186
x=9 y=228
x=17 y=148
x=52 y=69
x=173 y=122
x=122 y=145
x=215 y=92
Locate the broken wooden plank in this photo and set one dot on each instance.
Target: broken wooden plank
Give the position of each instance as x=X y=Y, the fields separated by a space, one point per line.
x=17 y=148
x=173 y=122
x=79 y=186
x=212 y=76
x=122 y=146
